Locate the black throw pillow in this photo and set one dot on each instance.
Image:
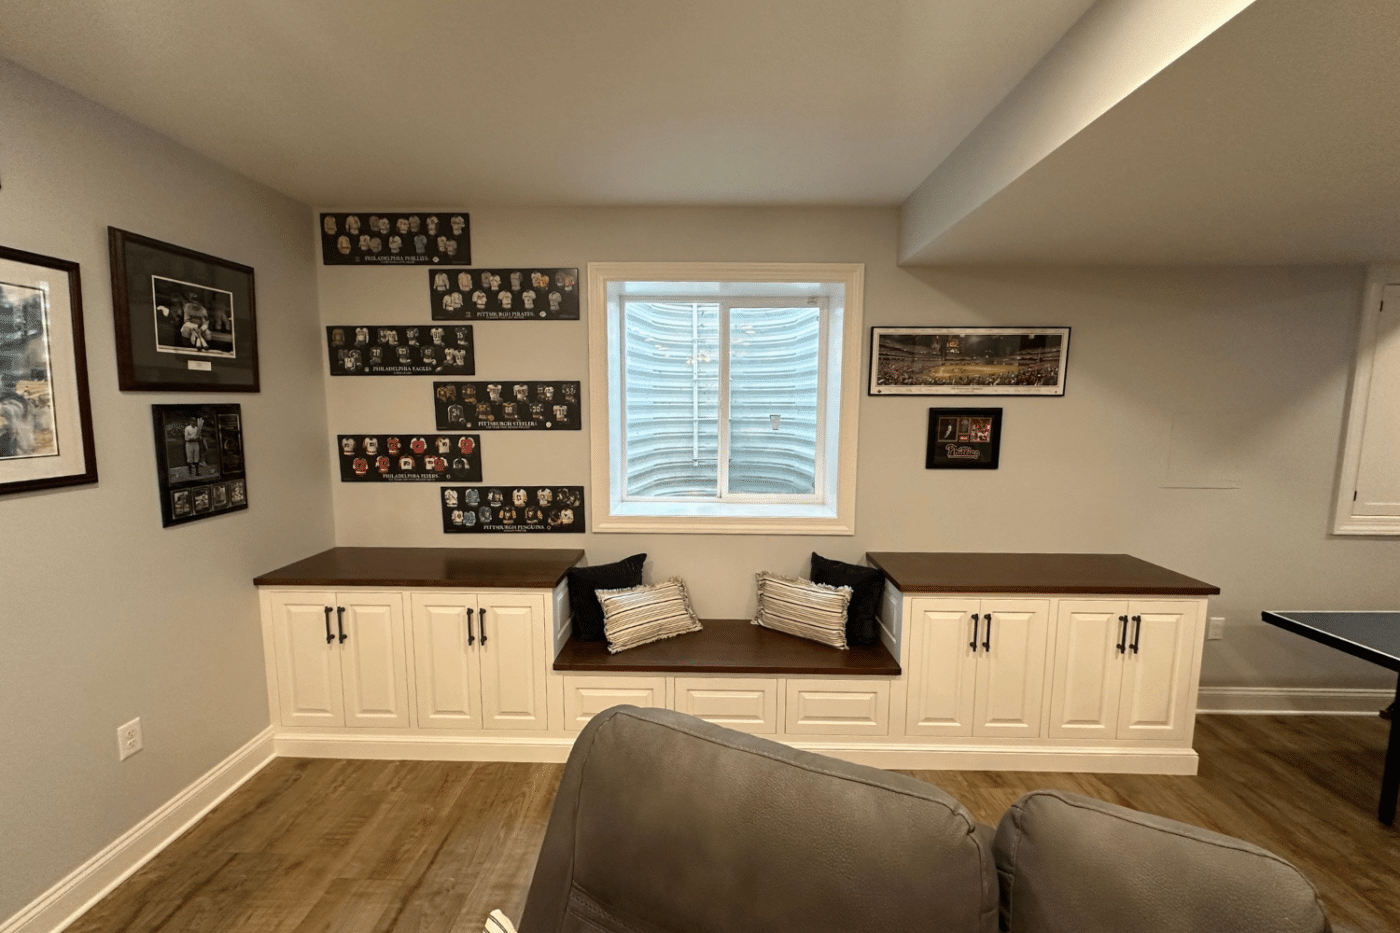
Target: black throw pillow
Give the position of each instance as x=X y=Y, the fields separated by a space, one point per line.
x=867 y=587
x=584 y=583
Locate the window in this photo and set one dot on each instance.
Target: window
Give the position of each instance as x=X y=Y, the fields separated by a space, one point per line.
x=729 y=392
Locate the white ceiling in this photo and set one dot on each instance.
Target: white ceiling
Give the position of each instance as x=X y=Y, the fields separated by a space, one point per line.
x=340 y=102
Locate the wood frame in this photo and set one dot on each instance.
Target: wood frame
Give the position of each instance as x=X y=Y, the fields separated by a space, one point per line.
x=75 y=460
x=925 y=384
x=144 y=363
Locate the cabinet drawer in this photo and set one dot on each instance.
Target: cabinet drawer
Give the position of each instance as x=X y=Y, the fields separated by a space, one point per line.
x=838 y=707
x=744 y=703
x=587 y=695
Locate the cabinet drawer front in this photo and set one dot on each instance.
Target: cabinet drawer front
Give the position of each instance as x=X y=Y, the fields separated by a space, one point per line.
x=742 y=703
x=586 y=695
x=838 y=707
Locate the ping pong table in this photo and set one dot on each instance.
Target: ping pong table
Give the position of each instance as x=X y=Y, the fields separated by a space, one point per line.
x=1371 y=636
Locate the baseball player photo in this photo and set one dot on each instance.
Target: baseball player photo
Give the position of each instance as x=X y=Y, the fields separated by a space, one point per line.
x=192 y=319
x=237 y=492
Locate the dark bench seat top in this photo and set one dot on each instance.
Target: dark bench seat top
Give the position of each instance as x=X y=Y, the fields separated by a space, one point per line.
x=1050 y=574
x=730 y=646
x=468 y=568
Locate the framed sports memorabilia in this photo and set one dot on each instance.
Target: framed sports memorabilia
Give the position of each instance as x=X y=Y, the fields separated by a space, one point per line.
x=504 y=294
x=421 y=238
x=199 y=458
x=45 y=415
x=507 y=406
x=185 y=320
x=968 y=360
x=512 y=509
x=409 y=458
x=401 y=350
x=963 y=439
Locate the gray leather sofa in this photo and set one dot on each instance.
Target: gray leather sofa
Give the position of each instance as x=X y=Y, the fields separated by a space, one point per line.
x=668 y=824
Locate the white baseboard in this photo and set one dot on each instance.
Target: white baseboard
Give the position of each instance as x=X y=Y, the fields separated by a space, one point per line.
x=1024 y=758
x=67 y=900
x=1338 y=701
x=419 y=747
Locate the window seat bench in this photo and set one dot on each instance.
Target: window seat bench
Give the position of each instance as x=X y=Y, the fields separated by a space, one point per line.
x=730 y=646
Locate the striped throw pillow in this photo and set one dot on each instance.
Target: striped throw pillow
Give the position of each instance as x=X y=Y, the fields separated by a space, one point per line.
x=643 y=614
x=800 y=607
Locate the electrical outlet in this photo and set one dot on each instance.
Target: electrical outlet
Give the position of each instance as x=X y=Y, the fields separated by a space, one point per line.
x=129 y=740
x=1216 y=629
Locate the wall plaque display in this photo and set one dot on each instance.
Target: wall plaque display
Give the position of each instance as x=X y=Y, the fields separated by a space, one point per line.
x=362 y=238
x=512 y=509
x=401 y=350
x=504 y=294
x=968 y=360
x=507 y=405
x=45 y=415
x=963 y=439
x=199 y=455
x=185 y=320
x=409 y=458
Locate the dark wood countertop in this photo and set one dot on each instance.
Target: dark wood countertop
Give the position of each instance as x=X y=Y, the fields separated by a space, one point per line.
x=730 y=646
x=960 y=572
x=475 y=568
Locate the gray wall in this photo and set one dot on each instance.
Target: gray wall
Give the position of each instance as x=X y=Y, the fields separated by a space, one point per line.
x=104 y=615
x=1250 y=364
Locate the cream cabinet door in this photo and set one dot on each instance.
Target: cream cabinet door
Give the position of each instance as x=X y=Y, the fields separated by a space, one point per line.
x=853 y=706
x=1011 y=667
x=1157 y=698
x=374 y=660
x=1088 y=669
x=511 y=642
x=747 y=704
x=942 y=670
x=587 y=695
x=307 y=663
x=445 y=661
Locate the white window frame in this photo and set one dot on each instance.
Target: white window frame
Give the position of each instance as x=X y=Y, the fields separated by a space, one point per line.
x=1371 y=400
x=830 y=512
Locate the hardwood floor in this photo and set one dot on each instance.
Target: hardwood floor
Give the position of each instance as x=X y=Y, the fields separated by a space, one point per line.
x=411 y=847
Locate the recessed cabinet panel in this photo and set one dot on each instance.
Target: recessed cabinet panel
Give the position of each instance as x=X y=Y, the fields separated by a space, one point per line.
x=445 y=683
x=1087 y=670
x=942 y=667
x=1156 y=701
x=308 y=668
x=743 y=703
x=1011 y=667
x=374 y=664
x=510 y=631
x=587 y=695
x=859 y=706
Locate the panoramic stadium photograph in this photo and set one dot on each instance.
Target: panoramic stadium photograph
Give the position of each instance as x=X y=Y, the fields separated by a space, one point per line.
x=968 y=360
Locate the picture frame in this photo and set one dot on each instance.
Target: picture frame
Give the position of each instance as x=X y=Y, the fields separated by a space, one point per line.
x=200 y=464
x=963 y=439
x=185 y=321
x=968 y=360
x=46 y=436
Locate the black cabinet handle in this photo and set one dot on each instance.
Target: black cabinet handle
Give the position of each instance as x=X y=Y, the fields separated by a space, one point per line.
x=1123 y=636
x=1137 y=633
x=471 y=639
x=973 y=643
x=483 y=628
x=988 y=643
x=340 y=623
x=329 y=637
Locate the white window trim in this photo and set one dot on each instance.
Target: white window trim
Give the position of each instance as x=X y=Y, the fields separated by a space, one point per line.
x=1344 y=520
x=609 y=515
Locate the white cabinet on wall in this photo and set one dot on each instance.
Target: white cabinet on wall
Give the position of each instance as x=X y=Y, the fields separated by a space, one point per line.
x=1368 y=494
x=976 y=666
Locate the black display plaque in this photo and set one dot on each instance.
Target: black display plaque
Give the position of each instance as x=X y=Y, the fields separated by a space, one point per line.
x=401 y=350
x=416 y=238
x=507 y=405
x=409 y=458
x=963 y=439
x=504 y=294
x=199 y=459
x=512 y=509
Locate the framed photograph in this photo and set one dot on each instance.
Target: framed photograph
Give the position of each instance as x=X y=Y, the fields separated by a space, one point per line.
x=45 y=416
x=968 y=360
x=199 y=461
x=963 y=439
x=185 y=320
x=364 y=238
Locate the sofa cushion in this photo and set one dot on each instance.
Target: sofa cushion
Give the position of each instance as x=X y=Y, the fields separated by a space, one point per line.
x=584 y=582
x=1068 y=862
x=644 y=614
x=803 y=608
x=867 y=587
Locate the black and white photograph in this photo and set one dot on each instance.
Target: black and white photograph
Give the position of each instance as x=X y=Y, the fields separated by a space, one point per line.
x=46 y=436
x=512 y=509
x=366 y=238
x=199 y=455
x=192 y=319
x=507 y=405
x=401 y=350
x=185 y=321
x=968 y=360
x=963 y=439
x=504 y=294
x=409 y=458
